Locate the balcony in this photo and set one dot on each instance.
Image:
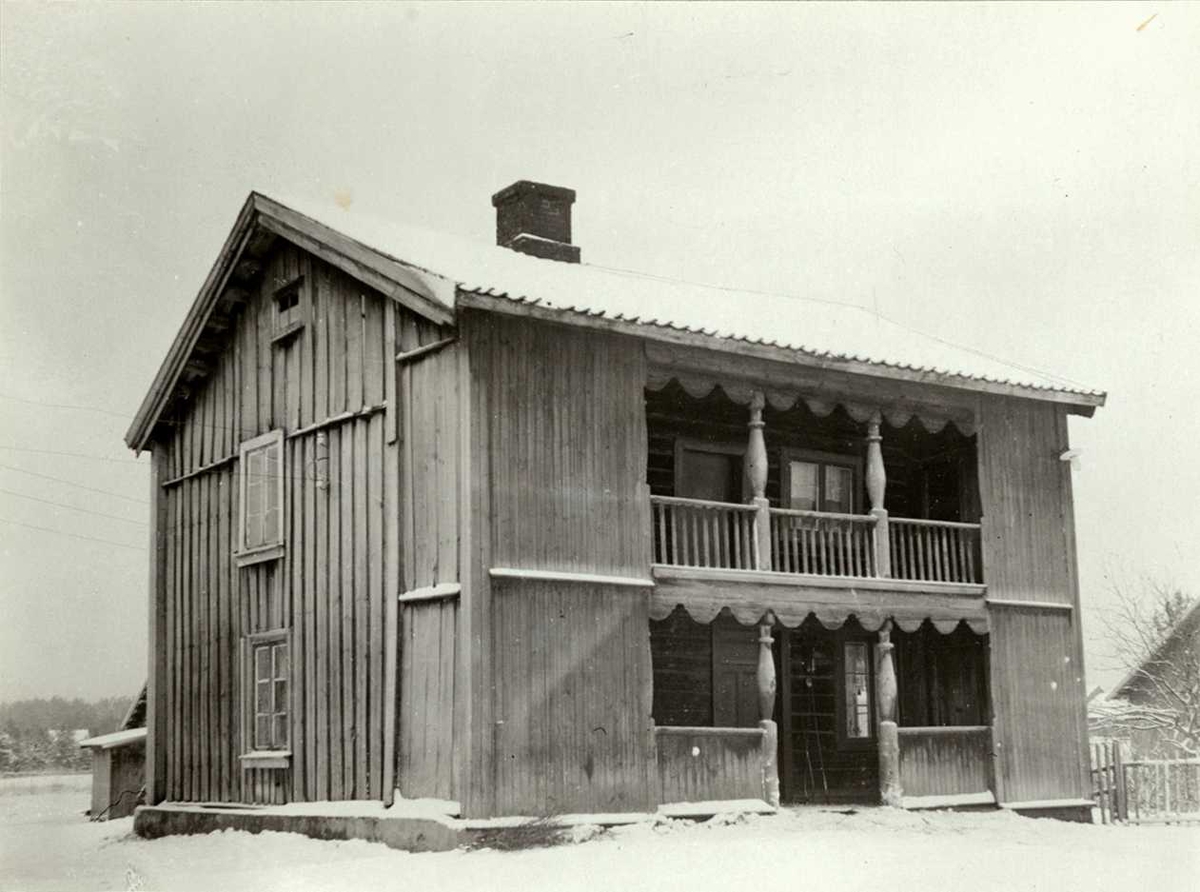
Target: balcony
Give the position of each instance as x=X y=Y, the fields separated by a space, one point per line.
x=696 y=533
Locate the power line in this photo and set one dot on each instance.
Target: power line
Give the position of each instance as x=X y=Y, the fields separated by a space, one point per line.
x=117 y=461
x=73 y=508
x=30 y=526
x=20 y=399
x=106 y=492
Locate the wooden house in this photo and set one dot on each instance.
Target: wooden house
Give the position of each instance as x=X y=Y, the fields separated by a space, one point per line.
x=490 y=525
x=1156 y=706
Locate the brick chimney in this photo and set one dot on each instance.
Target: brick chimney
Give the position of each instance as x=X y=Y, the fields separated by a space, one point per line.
x=534 y=218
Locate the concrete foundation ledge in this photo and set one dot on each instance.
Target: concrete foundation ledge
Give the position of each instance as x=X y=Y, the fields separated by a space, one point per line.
x=410 y=825
x=411 y=834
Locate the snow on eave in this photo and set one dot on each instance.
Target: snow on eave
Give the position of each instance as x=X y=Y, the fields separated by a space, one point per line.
x=1085 y=398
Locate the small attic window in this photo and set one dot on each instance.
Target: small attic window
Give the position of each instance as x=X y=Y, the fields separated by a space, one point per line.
x=290 y=309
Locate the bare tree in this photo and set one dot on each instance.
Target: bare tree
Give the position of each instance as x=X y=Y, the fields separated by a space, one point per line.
x=1154 y=634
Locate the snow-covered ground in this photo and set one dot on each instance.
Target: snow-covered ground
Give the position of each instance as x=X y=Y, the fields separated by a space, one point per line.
x=46 y=843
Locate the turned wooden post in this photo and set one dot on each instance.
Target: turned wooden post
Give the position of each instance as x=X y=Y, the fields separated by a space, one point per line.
x=876 y=485
x=756 y=482
x=766 y=707
x=885 y=704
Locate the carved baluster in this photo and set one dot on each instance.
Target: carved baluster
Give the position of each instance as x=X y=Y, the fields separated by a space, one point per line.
x=756 y=481
x=885 y=704
x=766 y=707
x=876 y=485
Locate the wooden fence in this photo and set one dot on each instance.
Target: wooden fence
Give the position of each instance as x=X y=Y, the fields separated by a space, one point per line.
x=1144 y=791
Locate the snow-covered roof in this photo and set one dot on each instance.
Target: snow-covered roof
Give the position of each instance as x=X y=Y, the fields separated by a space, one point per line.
x=435 y=274
x=115 y=739
x=817 y=328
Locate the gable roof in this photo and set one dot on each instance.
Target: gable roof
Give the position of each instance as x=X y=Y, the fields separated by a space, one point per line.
x=434 y=274
x=1189 y=623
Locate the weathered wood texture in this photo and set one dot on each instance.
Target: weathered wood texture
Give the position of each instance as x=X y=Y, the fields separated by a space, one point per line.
x=1028 y=548
x=328 y=588
x=573 y=728
x=1037 y=687
x=945 y=761
x=1025 y=490
x=706 y=764
x=560 y=671
x=568 y=449
x=427 y=690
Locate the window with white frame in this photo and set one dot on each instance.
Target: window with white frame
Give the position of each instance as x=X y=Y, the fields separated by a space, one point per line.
x=261 y=476
x=270 y=662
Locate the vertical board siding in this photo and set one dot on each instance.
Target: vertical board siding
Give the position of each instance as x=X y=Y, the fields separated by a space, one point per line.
x=703 y=764
x=572 y=675
x=559 y=712
x=427 y=689
x=1028 y=555
x=945 y=761
x=568 y=449
x=1037 y=685
x=327 y=589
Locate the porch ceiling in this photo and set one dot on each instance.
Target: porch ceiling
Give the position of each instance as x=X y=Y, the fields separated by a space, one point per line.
x=749 y=595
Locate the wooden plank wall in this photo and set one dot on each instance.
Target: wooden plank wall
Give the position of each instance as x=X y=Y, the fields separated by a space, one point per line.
x=706 y=764
x=945 y=762
x=328 y=590
x=558 y=673
x=1037 y=675
x=429 y=481
x=1036 y=690
x=573 y=730
x=426 y=742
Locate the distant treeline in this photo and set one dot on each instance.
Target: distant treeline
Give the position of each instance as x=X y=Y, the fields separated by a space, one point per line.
x=38 y=735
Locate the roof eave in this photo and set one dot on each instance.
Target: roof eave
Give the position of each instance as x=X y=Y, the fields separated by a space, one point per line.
x=1074 y=402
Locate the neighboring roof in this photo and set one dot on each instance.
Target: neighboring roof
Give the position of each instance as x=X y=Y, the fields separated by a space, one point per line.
x=115 y=739
x=135 y=716
x=811 y=331
x=1189 y=623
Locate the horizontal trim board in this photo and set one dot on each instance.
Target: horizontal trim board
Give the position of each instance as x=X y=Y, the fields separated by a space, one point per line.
x=260 y=555
x=704 y=731
x=797 y=580
x=944 y=729
x=1035 y=605
x=266 y=759
x=1049 y=803
x=417 y=353
x=431 y=593
x=211 y=466
x=985 y=797
x=563 y=576
x=341 y=418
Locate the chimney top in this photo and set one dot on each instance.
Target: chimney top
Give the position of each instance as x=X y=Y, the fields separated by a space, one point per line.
x=535 y=218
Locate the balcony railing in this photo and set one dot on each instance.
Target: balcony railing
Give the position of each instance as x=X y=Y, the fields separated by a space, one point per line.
x=722 y=535
x=823 y=543
x=697 y=533
x=934 y=550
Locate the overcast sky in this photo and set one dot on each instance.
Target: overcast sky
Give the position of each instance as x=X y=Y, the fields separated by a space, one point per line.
x=1019 y=179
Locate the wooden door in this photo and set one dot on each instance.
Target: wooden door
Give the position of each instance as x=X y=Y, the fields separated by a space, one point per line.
x=735 y=667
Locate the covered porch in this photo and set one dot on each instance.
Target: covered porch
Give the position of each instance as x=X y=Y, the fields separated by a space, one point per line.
x=810 y=643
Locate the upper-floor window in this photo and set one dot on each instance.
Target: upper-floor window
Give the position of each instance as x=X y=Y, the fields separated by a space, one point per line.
x=260 y=527
x=820 y=481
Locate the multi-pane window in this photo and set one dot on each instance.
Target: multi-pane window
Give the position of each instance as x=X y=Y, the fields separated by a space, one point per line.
x=270 y=664
x=261 y=481
x=820 y=484
x=856 y=691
